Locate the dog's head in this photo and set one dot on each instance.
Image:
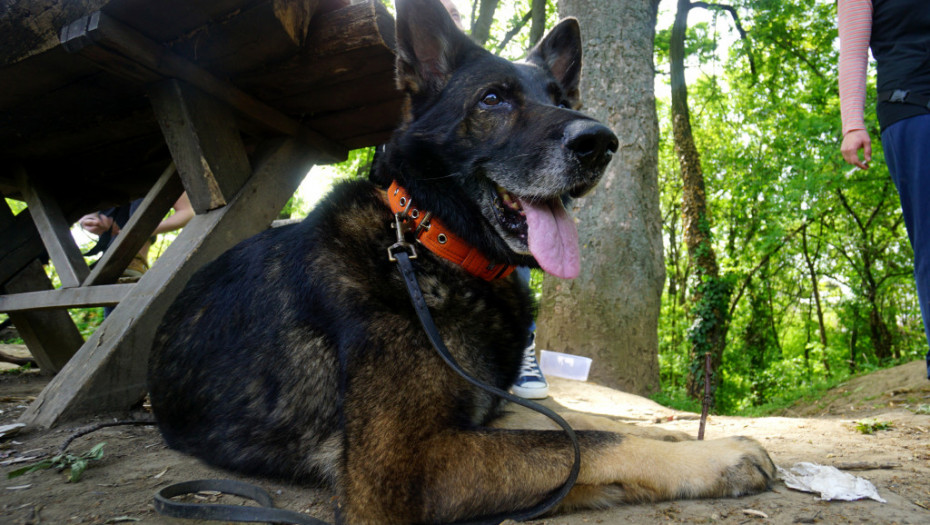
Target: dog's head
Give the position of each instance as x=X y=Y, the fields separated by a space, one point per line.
x=492 y=147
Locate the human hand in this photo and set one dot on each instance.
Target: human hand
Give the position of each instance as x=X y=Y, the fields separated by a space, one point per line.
x=97 y=223
x=855 y=141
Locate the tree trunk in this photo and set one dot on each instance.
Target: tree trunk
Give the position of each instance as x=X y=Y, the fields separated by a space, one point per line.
x=538 y=21
x=815 y=287
x=481 y=26
x=610 y=312
x=710 y=296
x=878 y=330
x=853 y=341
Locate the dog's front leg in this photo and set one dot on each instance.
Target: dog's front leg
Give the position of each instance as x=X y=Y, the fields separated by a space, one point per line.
x=450 y=475
x=454 y=475
x=637 y=469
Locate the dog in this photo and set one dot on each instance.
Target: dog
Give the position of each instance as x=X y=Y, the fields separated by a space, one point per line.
x=298 y=354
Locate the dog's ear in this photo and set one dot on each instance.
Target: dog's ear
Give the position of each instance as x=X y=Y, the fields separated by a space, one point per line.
x=560 y=51
x=429 y=46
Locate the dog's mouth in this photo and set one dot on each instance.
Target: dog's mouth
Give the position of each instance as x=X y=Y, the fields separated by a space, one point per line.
x=510 y=213
x=544 y=227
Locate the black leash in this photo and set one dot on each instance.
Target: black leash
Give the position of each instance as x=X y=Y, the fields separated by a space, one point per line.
x=266 y=513
x=419 y=304
x=401 y=252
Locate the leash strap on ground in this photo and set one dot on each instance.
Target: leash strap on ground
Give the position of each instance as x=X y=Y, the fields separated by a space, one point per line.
x=426 y=319
x=265 y=513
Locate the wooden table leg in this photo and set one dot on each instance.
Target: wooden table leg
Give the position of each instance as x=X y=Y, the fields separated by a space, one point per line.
x=108 y=373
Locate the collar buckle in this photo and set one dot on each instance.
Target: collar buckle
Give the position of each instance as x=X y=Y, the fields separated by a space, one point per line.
x=401 y=227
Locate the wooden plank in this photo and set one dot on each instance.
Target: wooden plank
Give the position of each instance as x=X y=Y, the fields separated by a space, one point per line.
x=345 y=45
x=76 y=38
x=362 y=25
x=43 y=73
x=359 y=120
x=306 y=74
x=204 y=142
x=30 y=27
x=121 y=41
x=164 y=20
x=259 y=34
x=83 y=297
x=50 y=336
x=55 y=231
x=343 y=95
x=41 y=135
x=108 y=372
x=138 y=230
x=20 y=244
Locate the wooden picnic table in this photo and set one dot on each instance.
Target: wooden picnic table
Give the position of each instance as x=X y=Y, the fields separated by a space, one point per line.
x=106 y=101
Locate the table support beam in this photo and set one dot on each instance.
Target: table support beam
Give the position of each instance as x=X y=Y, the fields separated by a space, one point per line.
x=108 y=373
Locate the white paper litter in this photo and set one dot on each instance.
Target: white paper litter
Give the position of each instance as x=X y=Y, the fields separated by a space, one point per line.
x=10 y=430
x=830 y=482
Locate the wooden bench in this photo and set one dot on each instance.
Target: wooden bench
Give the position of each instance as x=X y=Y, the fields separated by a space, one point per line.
x=106 y=101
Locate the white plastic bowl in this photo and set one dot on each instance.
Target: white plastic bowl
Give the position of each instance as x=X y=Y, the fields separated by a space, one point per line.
x=564 y=365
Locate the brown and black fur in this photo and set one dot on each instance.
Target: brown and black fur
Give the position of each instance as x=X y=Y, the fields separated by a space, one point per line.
x=298 y=355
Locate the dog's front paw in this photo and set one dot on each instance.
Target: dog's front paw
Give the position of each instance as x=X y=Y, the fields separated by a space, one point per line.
x=730 y=467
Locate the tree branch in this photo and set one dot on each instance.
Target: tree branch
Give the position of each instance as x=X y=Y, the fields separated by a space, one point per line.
x=799 y=56
x=514 y=31
x=849 y=210
x=739 y=28
x=765 y=261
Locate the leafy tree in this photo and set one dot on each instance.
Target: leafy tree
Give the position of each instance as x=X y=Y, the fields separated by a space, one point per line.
x=817 y=255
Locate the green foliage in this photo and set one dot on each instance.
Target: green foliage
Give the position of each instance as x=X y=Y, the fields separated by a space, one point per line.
x=16 y=206
x=677 y=399
x=17 y=371
x=509 y=17
x=870 y=426
x=87 y=319
x=769 y=144
x=76 y=464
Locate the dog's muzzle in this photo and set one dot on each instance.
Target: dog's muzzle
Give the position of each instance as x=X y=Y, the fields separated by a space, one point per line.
x=593 y=145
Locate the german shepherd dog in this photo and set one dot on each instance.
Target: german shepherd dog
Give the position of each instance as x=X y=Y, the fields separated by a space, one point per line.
x=298 y=355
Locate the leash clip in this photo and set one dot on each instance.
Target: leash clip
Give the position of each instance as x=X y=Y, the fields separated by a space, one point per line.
x=401 y=227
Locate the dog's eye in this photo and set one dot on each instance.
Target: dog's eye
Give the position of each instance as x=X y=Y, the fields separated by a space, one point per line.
x=491 y=99
x=564 y=105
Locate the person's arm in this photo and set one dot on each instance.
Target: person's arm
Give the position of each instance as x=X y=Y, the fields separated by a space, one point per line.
x=183 y=213
x=855 y=28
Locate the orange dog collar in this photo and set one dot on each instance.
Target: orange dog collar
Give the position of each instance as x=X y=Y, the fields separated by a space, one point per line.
x=432 y=234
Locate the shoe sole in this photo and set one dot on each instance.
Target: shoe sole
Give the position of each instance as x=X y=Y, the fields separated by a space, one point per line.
x=531 y=393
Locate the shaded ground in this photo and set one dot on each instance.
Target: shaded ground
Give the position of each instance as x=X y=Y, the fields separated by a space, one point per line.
x=119 y=487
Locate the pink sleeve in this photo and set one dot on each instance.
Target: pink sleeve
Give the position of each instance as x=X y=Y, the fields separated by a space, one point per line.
x=855 y=28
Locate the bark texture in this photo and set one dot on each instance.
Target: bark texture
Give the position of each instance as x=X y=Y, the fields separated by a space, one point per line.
x=610 y=312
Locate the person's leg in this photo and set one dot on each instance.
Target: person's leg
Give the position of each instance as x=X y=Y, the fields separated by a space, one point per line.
x=907 y=152
x=531 y=383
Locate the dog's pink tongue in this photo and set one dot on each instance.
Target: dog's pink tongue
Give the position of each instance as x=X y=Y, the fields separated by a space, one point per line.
x=552 y=238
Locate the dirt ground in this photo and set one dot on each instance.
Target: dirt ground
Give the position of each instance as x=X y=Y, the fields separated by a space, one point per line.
x=119 y=487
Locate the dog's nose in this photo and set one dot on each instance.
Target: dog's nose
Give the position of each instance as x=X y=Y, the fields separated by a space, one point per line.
x=592 y=142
